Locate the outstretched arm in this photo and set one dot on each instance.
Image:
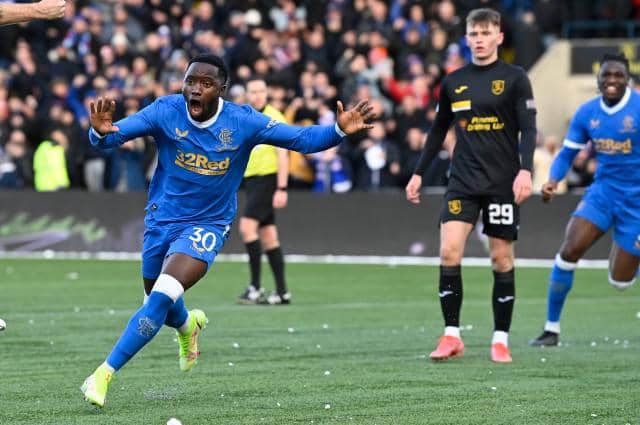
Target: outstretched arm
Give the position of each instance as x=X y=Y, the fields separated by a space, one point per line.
x=356 y=119
x=315 y=138
x=17 y=13
x=105 y=135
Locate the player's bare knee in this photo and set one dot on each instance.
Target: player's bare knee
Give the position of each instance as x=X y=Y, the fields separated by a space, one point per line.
x=450 y=256
x=621 y=281
x=268 y=245
x=570 y=254
x=501 y=263
x=501 y=257
x=248 y=232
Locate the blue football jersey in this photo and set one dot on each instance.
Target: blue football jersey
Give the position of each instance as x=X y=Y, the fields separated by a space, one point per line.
x=201 y=164
x=615 y=134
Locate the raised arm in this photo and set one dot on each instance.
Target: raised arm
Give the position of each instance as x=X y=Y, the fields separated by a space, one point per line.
x=314 y=138
x=105 y=135
x=17 y=13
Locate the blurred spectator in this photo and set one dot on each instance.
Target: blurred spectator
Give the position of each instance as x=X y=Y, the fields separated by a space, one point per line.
x=121 y=20
x=381 y=165
x=527 y=41
x=330 y=172
x=550 y=15
x=543 y=157
x=50 y=165
x=409 y=114
x=374 y=17
x=437 y=47
x=414 y=144
x=449 y=20
x=393 y=52
x=79 y=39
x=15 y=164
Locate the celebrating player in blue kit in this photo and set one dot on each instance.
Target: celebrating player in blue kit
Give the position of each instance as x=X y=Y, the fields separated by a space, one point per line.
x=612 y=123
x=204 y=144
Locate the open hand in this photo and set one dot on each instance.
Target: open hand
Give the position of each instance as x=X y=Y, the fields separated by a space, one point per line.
x=357 y=118
x=101 y=116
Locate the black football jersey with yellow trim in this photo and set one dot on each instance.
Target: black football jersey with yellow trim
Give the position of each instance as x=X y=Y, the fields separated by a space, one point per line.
x=488 y=107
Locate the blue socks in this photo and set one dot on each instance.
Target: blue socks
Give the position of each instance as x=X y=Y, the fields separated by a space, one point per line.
x=148 y=320
x=560 y=283
x=177 y=314
x=142 y=327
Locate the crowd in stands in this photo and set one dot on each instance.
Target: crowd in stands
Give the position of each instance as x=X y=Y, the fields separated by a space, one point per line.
x=310 y=52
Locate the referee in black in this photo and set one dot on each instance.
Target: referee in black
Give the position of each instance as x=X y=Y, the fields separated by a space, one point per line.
x=489 y=103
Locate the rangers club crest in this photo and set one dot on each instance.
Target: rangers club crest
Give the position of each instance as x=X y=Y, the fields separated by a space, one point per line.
x=225 y=141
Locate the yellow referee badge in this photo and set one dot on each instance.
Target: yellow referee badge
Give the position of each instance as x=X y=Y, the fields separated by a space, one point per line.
x=497 y=87
x=455 y=206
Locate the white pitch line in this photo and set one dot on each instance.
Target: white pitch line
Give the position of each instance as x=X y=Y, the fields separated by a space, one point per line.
x=299 y=258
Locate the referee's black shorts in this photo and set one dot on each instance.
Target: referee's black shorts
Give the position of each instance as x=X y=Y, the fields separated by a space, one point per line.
x=260 y=190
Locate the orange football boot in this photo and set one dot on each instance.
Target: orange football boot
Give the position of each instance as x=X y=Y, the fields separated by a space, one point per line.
x=448 y=346
x=500 y=353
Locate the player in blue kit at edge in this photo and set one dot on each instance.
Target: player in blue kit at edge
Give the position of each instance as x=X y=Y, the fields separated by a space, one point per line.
x=203 y=144
x=611 y=122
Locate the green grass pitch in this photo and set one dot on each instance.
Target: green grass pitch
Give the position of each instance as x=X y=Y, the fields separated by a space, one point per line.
x=352 y=349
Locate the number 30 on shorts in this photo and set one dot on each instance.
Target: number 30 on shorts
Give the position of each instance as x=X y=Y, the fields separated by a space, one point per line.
x=501 y=214
x=207 y=239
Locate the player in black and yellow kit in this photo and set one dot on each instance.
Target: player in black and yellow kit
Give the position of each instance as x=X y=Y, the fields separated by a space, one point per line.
x=265 y=180
x=489 y=103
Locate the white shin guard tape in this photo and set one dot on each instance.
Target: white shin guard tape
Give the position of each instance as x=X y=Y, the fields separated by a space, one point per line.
x=565 y=265
x=168 y=285
x=621 y=285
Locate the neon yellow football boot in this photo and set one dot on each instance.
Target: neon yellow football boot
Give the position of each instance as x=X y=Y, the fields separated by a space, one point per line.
x=95 y=387
x=188 y=342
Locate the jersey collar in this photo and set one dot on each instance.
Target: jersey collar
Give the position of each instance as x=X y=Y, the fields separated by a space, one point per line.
x=615 y=108
x=210 y=121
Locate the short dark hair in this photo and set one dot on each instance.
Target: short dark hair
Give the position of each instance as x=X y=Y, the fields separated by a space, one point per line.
x=615 y=57
x=484 y=15
x=214 y=60
x=255 y=78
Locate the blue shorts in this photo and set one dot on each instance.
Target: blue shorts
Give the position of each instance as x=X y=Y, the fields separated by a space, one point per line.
x=606 y=207
x=199 y=241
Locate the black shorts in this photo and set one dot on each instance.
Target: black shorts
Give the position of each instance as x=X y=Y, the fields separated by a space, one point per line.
x=500 y=214
x=260 y=190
